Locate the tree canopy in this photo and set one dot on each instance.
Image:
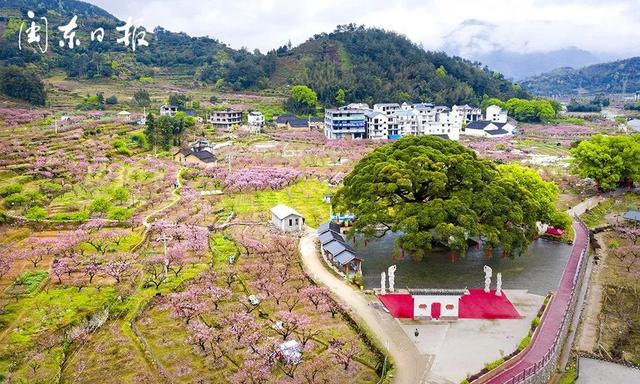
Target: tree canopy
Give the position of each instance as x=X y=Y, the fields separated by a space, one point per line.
x=23 y=84
x=437 y=191
x=609 y=160
x=303 y=100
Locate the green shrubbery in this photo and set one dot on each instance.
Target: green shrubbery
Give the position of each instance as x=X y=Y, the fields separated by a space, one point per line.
x=31 y=280
x=100 y=204
x=524 y=342
x=536 y=110
x=70 y=216
x=494 y=364
x=36 y=213
x=119 y=213
x=535 y=322
x=10 y=190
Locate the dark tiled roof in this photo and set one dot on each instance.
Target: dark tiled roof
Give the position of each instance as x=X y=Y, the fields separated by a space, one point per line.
x=330 y=236
x=336 y=247
x=204 y=156
x=344 y=257
x=497 y=131
x=298 y=123
x=328 y=226
x=284 y=119
x=480 y=124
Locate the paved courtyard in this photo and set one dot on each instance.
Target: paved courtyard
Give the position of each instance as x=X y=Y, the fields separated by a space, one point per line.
x=455 y=349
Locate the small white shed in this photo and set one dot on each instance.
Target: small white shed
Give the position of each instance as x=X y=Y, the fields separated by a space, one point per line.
x=286 y=218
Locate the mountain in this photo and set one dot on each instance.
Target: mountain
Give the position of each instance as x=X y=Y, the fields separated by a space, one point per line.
x=376 y=65
x=474 y=40
x=369 y=64
x=613 y=77
x=519 y=66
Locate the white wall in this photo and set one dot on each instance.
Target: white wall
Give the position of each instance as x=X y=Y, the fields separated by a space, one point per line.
x=495 y=114
x=443 y=300
x=284 y=225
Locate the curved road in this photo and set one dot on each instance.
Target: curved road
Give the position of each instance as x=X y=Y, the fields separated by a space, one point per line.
x=411 y=366
x=544 y=340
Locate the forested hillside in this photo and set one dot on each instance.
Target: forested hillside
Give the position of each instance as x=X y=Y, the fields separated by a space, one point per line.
x=614 y=77
x=368 y=64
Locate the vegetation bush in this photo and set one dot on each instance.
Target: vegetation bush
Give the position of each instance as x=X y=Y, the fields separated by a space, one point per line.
x=100 y=204
x=70 y=216
x=494 y=364
x=92 y=102
x=535 y=322
x=36 y=213
x=119 y=213
x=10 y=189
x=111 y=100
x=524 y=342
x=15 y=200
x=31 y=280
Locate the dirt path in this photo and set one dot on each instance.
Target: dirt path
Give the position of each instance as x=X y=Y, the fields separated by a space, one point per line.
x=145 y=221
x=410 y=364
x=588 y=334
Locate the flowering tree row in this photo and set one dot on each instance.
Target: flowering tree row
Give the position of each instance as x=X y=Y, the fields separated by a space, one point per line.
x=223 y=326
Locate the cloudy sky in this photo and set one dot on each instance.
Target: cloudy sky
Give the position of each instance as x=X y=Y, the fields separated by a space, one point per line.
x=468 y=26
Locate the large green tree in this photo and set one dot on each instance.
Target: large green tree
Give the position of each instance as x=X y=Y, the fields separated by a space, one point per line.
x=303 y=100
x=437 y=191
x=23 y=84
x=609 y=160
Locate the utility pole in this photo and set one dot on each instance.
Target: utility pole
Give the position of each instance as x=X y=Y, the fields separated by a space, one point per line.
x=229 y=162
x=165 y=239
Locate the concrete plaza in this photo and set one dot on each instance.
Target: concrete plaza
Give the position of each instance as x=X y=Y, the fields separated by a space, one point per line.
x=455 y=349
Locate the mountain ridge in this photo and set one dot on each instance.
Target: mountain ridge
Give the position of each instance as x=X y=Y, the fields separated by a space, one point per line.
x=611 y=77
x=370 y=64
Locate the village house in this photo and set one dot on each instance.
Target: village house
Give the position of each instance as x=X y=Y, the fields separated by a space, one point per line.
x=168 y=110
x=393 y=121
x=255 y=120
x=495 y=124
x=344 y=123
x=199 y=152
x=124 y=116
x=489 y=129
x=286 y=219
x=336 y=249
x=225 y=119
x=292 y=122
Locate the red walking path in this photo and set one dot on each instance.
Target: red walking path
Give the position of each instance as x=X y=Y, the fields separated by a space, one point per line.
x=548 y=335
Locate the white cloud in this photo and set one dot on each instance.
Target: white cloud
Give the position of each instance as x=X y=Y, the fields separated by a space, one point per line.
x=519 y=26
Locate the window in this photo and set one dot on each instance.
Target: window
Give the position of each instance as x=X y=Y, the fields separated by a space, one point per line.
x=290 y=222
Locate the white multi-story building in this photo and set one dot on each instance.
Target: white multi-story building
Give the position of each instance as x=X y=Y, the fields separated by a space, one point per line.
x=377 y=124
x=168 y=110
x=393 y=120
x=255 y=119
x=464 y=114
x=386 y=108
x=495 y=114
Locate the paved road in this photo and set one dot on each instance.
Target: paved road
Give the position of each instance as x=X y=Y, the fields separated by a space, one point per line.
x=545 y=337
x=411 y=366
